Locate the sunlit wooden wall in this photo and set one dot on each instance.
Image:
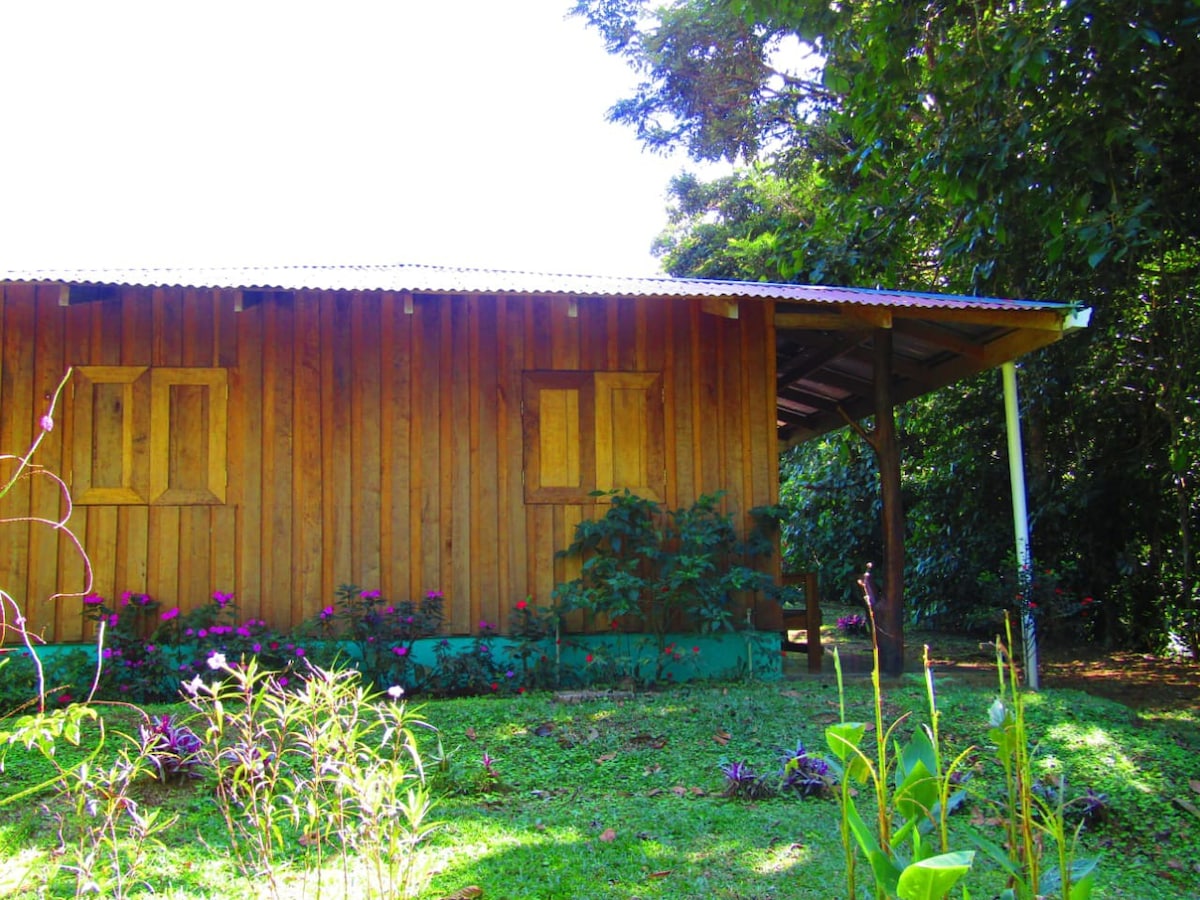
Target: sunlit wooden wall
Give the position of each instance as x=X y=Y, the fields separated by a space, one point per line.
x=373 y=439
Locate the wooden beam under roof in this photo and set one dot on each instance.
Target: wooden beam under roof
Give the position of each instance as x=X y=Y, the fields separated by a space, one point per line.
x=939 y=337
x=810 y=362
x=850 y=317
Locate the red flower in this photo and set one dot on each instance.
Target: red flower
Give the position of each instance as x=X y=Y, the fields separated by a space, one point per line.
x=495 y=687
x=1087 y=600
x=521 y=604
x=589 y=658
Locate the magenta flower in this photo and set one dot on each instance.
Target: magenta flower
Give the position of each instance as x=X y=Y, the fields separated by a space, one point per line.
x=93 y=599
x=168 y=614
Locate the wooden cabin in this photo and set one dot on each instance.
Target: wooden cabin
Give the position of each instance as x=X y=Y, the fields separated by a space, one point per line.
x=278 y=432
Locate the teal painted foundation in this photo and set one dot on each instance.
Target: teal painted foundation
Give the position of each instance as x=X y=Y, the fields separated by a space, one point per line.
x=586 y=658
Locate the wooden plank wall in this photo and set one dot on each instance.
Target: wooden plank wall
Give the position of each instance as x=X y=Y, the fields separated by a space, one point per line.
x=373 y=439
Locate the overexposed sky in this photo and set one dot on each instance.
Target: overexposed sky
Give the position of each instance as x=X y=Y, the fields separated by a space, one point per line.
x=461 y=132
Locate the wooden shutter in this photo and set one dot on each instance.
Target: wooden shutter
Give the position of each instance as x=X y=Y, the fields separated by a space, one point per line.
x=629 y=434
x=589 y=431
x=109 y=427
x=188 y=436
x=557 y=421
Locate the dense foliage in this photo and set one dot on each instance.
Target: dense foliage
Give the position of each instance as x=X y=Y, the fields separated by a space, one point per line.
x=1005 y=149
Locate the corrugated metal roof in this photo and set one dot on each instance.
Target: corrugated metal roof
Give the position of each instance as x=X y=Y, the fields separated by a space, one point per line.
x=445 y=279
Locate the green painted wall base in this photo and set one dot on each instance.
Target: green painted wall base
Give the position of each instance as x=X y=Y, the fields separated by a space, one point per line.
x=599 y=659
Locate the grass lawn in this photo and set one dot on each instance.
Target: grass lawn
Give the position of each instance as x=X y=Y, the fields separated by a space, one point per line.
x=620 y=796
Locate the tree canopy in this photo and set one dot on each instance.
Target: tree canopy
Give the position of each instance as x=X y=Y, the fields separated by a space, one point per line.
x=1008 y=149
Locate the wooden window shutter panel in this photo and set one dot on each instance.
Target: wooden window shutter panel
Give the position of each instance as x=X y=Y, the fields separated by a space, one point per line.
x=630 y=451
x=557 y=432
x=109 y=435
x=188 y=436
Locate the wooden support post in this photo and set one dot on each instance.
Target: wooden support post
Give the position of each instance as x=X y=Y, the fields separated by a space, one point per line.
x=889 y=618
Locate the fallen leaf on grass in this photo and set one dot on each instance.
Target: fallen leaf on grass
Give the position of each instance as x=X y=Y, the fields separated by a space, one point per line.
x=722 y=737
x=662 y=874
x=468 y=893
x=543 y=730
x=1194 y=784
x=1188 y=805
x=654 y=792
x=654 y=742
x=608 y=835
x=470 y=733
x=607 y=757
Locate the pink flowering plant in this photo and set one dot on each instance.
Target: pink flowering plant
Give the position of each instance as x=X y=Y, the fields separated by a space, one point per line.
x=381 y=632
x=134 y=665
x=476 y=669
x=147 y=648
x=218 y=627
x=535 y=630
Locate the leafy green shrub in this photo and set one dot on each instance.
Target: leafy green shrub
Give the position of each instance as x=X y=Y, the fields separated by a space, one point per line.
x=666 y=570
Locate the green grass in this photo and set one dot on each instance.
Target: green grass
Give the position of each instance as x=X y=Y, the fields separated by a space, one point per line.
x=618 y=797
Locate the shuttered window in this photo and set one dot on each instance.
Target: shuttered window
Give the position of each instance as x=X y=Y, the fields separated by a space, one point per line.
x=148 y=436
x=110 y=461
x=589 y=431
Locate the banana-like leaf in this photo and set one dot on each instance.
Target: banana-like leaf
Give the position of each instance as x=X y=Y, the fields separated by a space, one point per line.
x=932 y=879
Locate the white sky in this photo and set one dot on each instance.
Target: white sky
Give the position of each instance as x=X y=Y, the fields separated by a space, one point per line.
x=451 y=132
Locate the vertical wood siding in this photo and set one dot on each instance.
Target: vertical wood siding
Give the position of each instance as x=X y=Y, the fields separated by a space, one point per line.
x=366 y=444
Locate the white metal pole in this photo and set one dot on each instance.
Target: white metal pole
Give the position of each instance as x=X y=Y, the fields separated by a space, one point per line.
x=1016 y=474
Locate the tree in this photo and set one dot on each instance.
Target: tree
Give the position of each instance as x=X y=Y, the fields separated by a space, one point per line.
x=1008 y=149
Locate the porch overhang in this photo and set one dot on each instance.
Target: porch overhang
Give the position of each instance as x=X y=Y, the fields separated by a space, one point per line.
x=824 y=349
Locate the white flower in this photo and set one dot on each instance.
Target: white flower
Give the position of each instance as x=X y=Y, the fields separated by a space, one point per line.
x=997 y=714
x=193 y=686
x=395 y=692
x=216 y=661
